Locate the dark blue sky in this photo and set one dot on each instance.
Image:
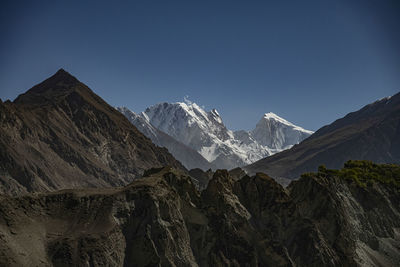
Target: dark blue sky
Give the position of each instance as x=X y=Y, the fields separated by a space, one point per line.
x=310 y=62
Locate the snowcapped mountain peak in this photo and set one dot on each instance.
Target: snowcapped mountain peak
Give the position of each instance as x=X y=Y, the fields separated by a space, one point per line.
x=205 y=132
x=188 y=123
x=277 y=133
x=186 y=155
x=273 y=116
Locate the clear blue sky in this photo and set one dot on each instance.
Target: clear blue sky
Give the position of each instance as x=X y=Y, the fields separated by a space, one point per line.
x=310 y=62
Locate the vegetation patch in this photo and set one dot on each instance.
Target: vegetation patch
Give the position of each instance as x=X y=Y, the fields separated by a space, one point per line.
x=364 y=173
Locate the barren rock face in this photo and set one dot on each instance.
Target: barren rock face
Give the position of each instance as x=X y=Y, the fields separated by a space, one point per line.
x=162 y=220
x=357 y=223
x=60 y=135
x=139 y=225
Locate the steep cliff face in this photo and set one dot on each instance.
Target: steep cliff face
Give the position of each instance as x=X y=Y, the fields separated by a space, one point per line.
x=359 y=222
x=59 y=134
x=161 y=219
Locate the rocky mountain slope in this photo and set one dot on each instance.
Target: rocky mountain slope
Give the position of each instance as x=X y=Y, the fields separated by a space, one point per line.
x=59 y=134
x=324 y=219
x=371 y=133
x=206 y=133
x=187 y=156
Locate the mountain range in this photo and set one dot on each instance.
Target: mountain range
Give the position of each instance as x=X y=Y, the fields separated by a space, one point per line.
x=63 y=122
x=205 y=133
x=371 y=133
x=81 y=185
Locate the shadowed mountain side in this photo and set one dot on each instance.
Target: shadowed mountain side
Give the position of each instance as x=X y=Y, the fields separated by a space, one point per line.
x=59 y=134
x=372 y=133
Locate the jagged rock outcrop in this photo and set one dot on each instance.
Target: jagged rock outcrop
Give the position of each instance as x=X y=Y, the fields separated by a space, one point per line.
x=201 y=177
x=59 y=134
x=237 y=173
x=163 y=220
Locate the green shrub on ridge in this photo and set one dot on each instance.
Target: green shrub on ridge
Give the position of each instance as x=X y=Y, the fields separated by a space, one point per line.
x=364 y=173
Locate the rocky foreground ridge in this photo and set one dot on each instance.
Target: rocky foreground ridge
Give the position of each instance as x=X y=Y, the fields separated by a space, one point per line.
x=327 y=218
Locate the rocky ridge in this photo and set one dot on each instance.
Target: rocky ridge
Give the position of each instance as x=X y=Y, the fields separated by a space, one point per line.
x=163 y=220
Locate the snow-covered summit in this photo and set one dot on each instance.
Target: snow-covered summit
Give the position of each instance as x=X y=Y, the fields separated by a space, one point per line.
x=190 y=124
x=186 y=155
x=273 y=116
x=205 y=132
x=277 y=133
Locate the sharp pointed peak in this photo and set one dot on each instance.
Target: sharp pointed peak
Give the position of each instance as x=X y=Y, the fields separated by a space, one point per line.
x=62 y=71
x=271 y=115
x=58 y=83
x=61 y=78
x=64 y=76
